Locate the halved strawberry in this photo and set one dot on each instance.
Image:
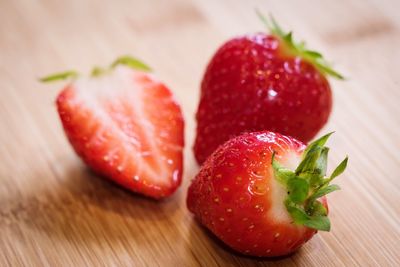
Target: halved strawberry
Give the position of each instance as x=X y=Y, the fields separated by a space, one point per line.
x=126 y=125
x=263 y=193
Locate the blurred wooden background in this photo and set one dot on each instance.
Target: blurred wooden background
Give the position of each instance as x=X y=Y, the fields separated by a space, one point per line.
x=54 y=212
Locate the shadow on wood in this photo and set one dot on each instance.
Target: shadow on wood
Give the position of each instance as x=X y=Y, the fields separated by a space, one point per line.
x=83 y=207
x=202 y=237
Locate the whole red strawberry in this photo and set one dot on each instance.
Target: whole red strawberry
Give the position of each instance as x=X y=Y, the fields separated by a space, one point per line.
x=262 y=82
x=125 y=125
x=263 y=194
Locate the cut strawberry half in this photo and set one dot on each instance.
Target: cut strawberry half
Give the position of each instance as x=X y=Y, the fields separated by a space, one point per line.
x=126 y=126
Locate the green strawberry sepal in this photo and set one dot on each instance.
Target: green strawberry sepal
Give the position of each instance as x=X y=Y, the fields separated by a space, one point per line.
x=308 y=183
x=299 y=49
x=127 y=61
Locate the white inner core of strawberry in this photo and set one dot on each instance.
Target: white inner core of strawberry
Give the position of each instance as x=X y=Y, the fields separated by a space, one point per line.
x=116 y=88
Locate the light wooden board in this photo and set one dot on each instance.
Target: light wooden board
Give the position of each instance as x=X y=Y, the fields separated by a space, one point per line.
x=54 y=212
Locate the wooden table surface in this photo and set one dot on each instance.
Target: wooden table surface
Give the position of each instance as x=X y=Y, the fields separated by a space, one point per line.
x=54 y=212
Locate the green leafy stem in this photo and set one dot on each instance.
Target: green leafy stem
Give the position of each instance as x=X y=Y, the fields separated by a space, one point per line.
x=128 y=61
x=299 y=49
x=308 y=183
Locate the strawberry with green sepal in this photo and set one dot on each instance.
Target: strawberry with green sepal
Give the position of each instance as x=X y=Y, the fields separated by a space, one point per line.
x=262 y=82
x=263 y=193
x=125 y=125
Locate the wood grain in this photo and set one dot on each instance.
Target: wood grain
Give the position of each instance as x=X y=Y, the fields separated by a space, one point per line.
x=54 y=212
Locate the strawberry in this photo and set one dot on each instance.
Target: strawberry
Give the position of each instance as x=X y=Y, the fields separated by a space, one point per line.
x=263 y=194
x=262 y=82
x=126 y=126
